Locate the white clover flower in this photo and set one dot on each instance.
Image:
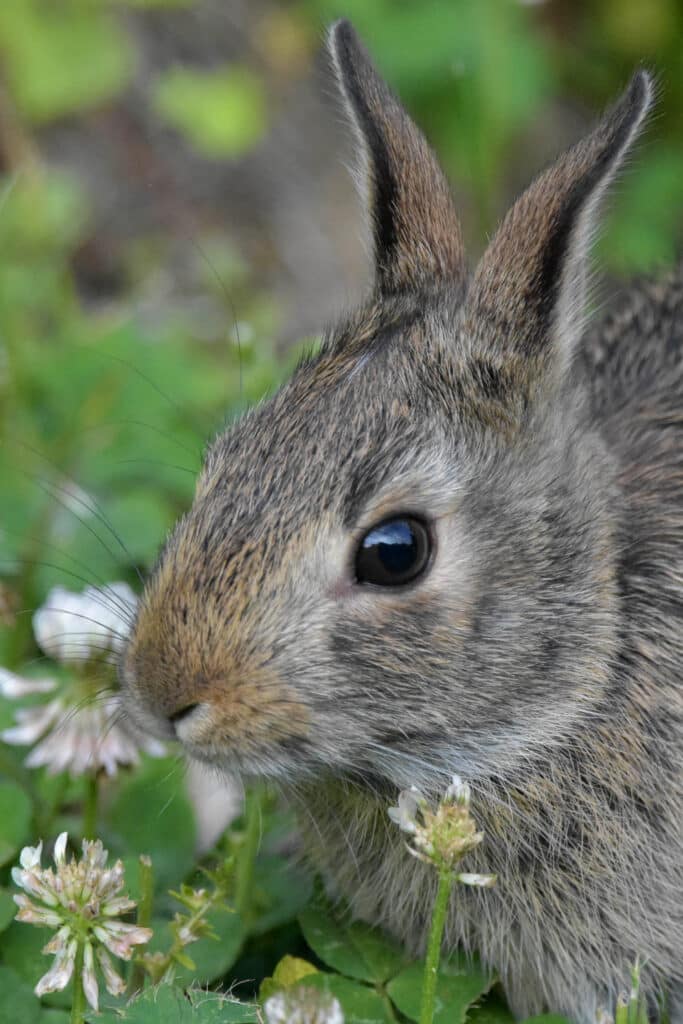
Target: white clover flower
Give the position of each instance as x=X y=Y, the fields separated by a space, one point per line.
x=441 y=837
x=79 y=729
x=82 y=900
x=72 y=627
x=303 y=1005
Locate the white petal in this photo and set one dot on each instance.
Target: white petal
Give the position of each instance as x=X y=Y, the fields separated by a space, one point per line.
x=482 y=881
x=116 y=986
x=89 y=979
x=12 y=685
x=58 y=942
x=60 y=848
x=33 y=723
x=458 y=791
x=30 y=856
x=59 y=975
x=400 y=818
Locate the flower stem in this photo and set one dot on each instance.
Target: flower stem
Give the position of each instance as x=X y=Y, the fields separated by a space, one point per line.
x=434 y=947
x=144 y=917
x=247 y=854
x=90 y=806
x=78 y=1004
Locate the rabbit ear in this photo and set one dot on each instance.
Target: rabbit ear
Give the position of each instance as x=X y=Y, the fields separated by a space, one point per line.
x=528 y=294
x=417 y=238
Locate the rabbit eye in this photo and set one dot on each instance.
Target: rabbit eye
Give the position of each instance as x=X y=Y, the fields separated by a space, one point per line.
x=393 y=552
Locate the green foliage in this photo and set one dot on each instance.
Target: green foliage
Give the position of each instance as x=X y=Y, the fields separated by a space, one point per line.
x=166 y=1005
x=152 y=815
x=17 y=994
x=355 y=950
x=61 y=58
x=15 y=820
x=222 y=113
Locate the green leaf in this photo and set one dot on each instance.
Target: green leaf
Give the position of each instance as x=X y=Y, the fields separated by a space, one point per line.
x=21 y=950
x=492 y=1010
x=60 y=59
x=49 y=1016
x=8 y=909
x=458 y=986
x=288 y=972
x=19 y=996
x=361 y=1005
x=282 y=891
x=153 y=815
x=354 y=949
x=167 y=1004
x=547 y=1018
x=15 y=820
x=221 y=113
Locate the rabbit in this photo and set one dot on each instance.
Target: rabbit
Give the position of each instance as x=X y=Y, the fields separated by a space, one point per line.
x=453 y=543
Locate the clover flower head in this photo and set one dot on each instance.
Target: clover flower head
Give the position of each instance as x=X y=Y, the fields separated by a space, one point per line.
x=70 y=626
x=82 y=899
x=78 y=729
x=303 y=1005
x=441 y=837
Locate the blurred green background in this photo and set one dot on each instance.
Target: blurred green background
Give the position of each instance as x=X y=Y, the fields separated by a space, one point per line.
x=175 y=213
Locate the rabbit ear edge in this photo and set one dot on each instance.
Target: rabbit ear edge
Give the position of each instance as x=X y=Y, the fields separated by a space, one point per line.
x=416 y=234
x=528 y=295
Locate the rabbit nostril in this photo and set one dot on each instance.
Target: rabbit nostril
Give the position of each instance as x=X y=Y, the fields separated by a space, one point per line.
x=178 y=716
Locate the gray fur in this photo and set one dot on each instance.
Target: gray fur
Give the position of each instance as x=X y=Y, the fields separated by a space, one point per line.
x=540 y=657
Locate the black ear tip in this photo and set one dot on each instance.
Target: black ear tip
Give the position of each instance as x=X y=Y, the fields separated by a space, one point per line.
x=342 y=35
x=642 y=90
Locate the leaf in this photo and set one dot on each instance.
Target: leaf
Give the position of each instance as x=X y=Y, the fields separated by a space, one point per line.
x=282 y=889
x=61 y=59
x=17 y=994
x=547 y=1018
x=356 y=949
x=49 y=1016
x=222 y=112
x=15 y=820
x=492 y=1010
x=8 y=909
x=22 y=946
x=458 y=986
x=153 y=815
x=167 y=1004
x=361 y=1005
x=288 y=972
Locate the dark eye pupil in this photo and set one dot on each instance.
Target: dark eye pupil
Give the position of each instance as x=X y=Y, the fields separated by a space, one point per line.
x=392 y=553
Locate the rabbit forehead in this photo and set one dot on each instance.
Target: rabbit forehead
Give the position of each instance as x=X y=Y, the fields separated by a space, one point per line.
x=348 y=422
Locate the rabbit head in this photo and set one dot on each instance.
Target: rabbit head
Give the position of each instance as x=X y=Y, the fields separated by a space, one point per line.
x=403 y=564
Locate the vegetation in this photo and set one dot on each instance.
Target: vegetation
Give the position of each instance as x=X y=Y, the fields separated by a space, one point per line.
x=110 y=383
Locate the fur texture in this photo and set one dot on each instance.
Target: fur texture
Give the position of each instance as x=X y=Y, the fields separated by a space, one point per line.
x=539 y=657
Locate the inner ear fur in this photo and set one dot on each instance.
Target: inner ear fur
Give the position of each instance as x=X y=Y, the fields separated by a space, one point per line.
x=528 y=295
x=416 y=234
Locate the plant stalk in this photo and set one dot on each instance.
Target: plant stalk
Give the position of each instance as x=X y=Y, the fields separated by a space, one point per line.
x=443 y=893
x=78 y=1004
x=247 y=853
x=90 y=807
x=144 y=917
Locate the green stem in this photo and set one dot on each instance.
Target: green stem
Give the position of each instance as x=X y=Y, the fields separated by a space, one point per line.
x=90 y=807
x=144 y=917
x=247 y=854
x=78 y=1004
x=434 y=947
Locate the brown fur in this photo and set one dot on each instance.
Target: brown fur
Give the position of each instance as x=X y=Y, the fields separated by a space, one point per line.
x=539 y=657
